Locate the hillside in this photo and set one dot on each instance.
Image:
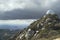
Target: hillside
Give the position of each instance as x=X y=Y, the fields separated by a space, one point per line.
x=46 y=28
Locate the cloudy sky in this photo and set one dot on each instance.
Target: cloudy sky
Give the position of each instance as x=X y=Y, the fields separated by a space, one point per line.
x=26 y=9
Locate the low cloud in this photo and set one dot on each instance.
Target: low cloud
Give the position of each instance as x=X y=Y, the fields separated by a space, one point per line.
x=17 y=22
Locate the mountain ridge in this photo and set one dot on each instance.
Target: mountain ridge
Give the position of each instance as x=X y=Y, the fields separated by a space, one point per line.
x=46 y=28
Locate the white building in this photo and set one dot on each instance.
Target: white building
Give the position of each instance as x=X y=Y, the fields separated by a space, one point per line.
x=50 y=12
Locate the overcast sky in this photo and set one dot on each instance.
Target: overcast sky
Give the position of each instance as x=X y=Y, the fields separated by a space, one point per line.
x=26 y=9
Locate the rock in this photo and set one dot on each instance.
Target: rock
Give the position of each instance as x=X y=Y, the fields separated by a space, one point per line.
x=57 y=39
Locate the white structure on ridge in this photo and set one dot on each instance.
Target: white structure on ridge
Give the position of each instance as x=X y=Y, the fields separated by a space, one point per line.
x=50 y=12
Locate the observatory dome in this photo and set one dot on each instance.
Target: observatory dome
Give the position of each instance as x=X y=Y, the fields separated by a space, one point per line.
x=50 y=12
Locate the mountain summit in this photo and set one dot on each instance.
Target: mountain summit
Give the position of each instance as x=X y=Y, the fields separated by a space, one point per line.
x=46 y=28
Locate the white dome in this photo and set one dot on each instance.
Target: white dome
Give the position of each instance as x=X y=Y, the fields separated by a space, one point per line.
x=50 y=12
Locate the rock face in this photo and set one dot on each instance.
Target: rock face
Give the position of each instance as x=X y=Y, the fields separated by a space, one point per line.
x=46 y=28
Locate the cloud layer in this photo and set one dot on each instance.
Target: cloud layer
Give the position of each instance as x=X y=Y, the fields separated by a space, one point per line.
x=17 y=22
x=7 y=5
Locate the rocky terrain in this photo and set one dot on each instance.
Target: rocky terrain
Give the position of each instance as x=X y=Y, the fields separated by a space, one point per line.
x=46 y=28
